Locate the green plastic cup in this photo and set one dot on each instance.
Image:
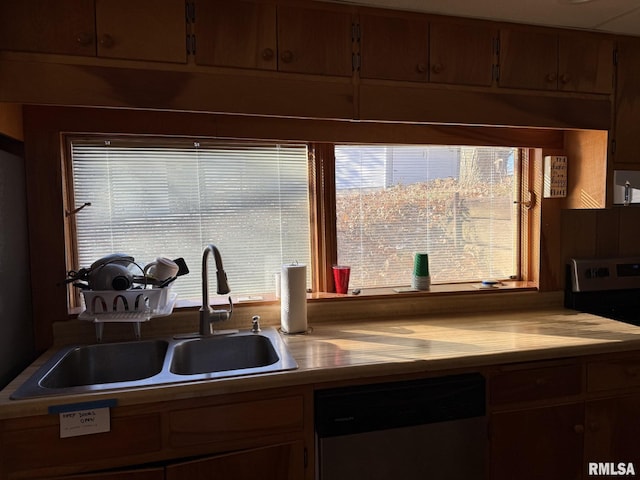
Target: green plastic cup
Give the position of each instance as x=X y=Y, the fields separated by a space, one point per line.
x=421 y=265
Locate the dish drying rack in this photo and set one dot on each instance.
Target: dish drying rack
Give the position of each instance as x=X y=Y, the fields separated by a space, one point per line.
x=126 y=306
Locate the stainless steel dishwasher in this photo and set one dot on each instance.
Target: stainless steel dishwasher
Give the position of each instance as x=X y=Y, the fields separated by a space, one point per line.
x=434 y=429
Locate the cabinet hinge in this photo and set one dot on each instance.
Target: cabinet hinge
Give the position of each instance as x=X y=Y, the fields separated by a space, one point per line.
x=615 y=57
x=496 y=45
x=191 y=44
x=496 y=73
x=306 y=457
x=355 y=32
x=190 y=12
x=355 y=61
x=613 y=146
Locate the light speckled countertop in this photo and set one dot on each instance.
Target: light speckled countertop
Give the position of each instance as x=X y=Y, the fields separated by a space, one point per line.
x=349 y=350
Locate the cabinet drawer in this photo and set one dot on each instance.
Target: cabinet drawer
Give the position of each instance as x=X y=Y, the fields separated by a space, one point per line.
x=535 y=384
x=236 y=422
x=40 y=447
x=613 y=374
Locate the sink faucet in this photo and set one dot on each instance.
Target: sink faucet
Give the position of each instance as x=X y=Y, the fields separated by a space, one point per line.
x=208 y=315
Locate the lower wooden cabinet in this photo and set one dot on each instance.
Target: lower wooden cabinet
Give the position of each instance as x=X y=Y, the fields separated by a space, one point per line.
x=275 y=462
x=612 y=427
x=156 y=473
x=263 y=434
x=278 y=462
x=566 y=419
x=538 y=443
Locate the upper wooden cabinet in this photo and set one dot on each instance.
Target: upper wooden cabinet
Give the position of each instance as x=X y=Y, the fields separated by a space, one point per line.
x=394 y=47
x=315 y=39
x=545 y=60
x=528 y=59
x=627 y=103
x=236 y=34
x=585 y=63
x=462 y=53
x=66 y=28
x=123 y=29
x=142 y=30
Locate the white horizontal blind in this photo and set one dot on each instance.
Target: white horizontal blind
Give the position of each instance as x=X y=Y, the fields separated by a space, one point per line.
x=455 y=203
x=150 y=199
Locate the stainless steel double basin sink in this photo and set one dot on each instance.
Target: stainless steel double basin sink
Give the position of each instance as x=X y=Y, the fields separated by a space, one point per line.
x=92 y=368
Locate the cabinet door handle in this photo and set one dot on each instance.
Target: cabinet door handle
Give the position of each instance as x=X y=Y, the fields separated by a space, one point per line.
x=579 y=429
x=84 y=39
x=106 y=41
x=287 y=56
x=421 y=68
x=437 y=68
x=552 y=77
x=267 y=54
x=565 y=78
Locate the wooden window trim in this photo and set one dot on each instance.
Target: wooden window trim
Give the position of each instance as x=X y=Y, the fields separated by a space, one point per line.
x=324 y=252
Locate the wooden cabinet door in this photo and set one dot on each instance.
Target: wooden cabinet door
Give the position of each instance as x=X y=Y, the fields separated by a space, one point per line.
x=627 y=106
x=538 y=443
x=278 y=462
x=612 y=427
x=136 y=474
x=142 y=30
x=585 y=63
x=66 y=28
x=394 y=47
x=528 y=59
x=315 y=40
x=461 y=53
x=236 y=34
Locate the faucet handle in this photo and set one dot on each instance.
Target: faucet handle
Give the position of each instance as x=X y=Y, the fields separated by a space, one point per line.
x=222 y=315
x=255 y=324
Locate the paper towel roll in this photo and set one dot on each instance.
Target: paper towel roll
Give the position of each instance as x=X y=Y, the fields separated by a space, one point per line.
x=293 y=298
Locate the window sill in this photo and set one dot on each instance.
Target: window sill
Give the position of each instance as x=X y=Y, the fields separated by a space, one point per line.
x=373 y=293
x=449 y=289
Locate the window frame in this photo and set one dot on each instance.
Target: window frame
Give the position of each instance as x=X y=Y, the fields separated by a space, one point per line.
x=322 y=207
x=71 y=236
x=518 y=198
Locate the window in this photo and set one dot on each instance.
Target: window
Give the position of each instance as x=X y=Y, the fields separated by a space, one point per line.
x=158 y=197
x=455 y=203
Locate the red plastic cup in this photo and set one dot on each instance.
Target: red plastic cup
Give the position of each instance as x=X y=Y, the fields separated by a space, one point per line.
x=341 y=278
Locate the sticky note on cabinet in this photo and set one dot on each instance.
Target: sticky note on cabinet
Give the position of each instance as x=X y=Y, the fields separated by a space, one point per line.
x=84 y=418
